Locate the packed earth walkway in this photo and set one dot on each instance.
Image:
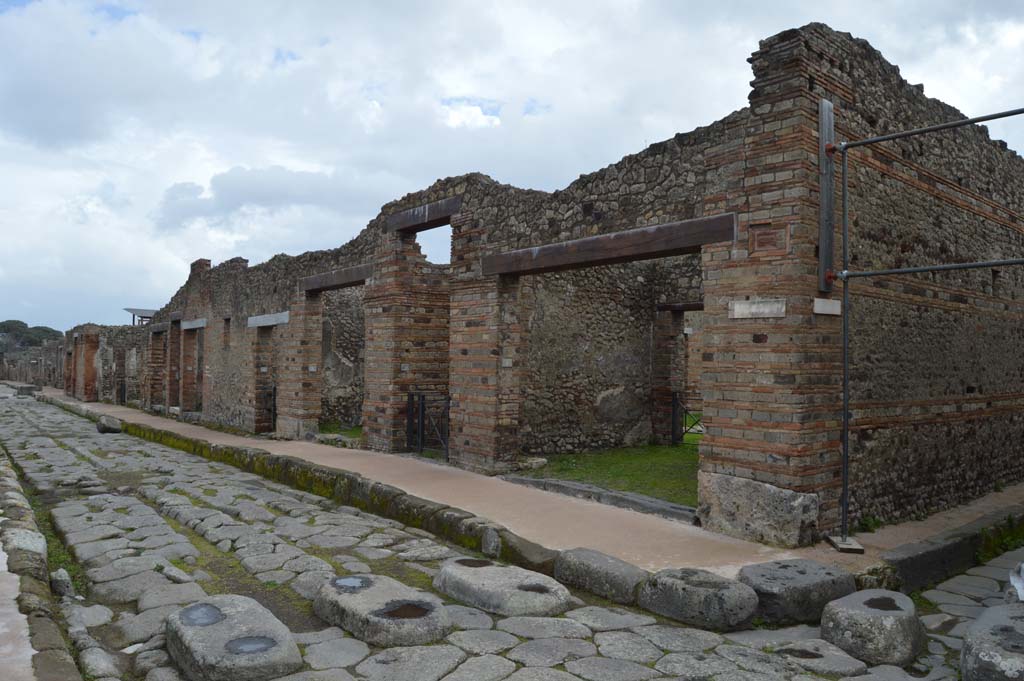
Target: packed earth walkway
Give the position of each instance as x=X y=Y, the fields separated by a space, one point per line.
x=176 y=567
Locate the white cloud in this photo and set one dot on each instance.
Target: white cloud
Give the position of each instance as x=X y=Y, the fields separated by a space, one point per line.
x=468 y=116
x=135 y=139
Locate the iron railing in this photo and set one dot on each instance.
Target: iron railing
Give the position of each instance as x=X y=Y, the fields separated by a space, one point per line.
x=427 y=422
x=684 y=421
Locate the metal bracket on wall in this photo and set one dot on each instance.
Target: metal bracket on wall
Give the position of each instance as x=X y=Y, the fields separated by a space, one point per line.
x=826 y=193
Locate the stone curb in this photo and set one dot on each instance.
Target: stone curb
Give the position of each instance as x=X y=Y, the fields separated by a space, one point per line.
x=944 y=555
x=26 y=557
x=628 y=500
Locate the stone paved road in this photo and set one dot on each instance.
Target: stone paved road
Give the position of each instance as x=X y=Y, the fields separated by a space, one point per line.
x=154 y=529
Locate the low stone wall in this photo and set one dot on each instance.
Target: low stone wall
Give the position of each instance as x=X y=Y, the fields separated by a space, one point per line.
x=26 y=551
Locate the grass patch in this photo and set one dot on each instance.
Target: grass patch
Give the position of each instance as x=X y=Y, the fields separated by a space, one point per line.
x=997 y=540
x=664 y=472
x=335 y=428
x=923 y=605
x=57 y=555
x=868 y=523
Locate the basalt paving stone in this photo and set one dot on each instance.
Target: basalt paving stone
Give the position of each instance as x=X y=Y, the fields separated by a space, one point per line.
x=544 y=627
x=541 y=674
x=464 y=617
x=680 y=640
x=485 y=668
x=504 y=590
x=606 y=619
x=230 y=638
x=382 y=611
x=607 y=669
x=336 y=653
x=417 y=663
x=694 y=666
x=626 y=645
x=483 y=641
x=548 y=652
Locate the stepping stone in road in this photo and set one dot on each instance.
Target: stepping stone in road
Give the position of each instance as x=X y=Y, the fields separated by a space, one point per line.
x=502 y=589
x=795 y=590
x=876 y=626
x=230 y=638
x=382 y=611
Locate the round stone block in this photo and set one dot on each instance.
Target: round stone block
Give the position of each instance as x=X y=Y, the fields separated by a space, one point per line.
x=994 y=645
x=502 y=589
x=230 y=638
x=795 y=590
x=875 y=626
x=382 y=611
x=699 y=598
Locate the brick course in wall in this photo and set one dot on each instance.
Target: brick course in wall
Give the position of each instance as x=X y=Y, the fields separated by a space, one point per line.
x=577 y=360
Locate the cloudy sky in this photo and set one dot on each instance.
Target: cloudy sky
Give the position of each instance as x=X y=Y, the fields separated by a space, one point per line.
x=136 y=137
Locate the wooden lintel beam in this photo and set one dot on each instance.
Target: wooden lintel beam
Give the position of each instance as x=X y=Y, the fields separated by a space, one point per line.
x=642 y=243
x=427 y=216
x=681 y=307
x=335 y=279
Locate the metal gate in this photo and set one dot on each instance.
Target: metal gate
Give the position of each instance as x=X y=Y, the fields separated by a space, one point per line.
x=684 y=421
x=426 y=422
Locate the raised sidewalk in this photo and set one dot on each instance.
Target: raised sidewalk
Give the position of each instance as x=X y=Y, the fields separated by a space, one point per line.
x=560 y=522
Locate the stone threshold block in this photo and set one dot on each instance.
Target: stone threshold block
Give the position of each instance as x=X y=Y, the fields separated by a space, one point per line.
x=382 y=611
x=791 y=591
x=699 y=598
x=600 y=574
x=230 y=638
x=501 y=589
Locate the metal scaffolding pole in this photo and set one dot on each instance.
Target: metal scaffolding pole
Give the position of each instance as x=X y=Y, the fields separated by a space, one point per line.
x=844 y=543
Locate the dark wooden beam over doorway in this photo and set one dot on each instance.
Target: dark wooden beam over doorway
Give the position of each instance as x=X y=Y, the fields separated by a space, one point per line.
x=335 y=279
x=642 y=243
x=427 y=216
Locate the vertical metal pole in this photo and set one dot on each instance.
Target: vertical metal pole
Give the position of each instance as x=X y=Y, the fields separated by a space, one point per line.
x=846 y=353
x=675 y=418
x=420 y=426
x=410 y=414
x=447 y=425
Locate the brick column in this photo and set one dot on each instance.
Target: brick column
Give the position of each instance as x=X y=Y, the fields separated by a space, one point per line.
x=407 y=307
x=155 y=368
x=191 y=371
x=300 y=384
x=769 y=458
x=487 y=338
x=173 y=365
x=88 y=390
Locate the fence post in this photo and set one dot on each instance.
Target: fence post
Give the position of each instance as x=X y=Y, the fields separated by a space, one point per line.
x=420 y=418
x=675 y=418
x=410 y=409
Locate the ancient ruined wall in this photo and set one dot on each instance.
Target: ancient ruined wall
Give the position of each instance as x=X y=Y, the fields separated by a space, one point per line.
x=227 y=295
x=42 y=365
x=343 y=357
x=588 y=368
x=938 y=377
